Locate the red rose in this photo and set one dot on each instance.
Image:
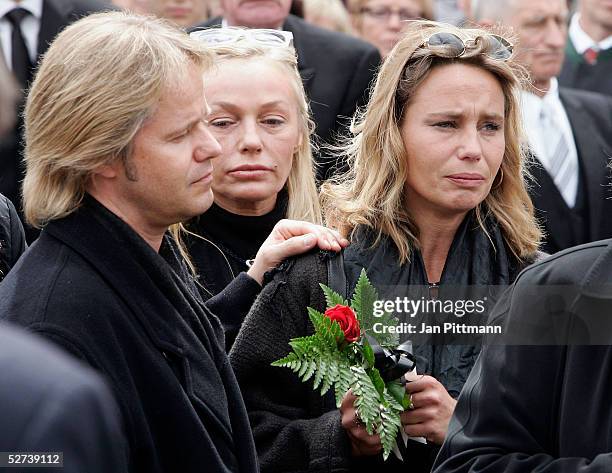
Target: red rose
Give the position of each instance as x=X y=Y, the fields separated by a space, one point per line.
x=347 y=320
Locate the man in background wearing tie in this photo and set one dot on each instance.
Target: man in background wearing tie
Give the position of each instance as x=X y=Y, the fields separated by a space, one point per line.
x=569 y=131
x=26 y=29
x=588 y=61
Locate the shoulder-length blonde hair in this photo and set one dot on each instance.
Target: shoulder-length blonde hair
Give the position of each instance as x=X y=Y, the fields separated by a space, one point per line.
x=301 y=185
x=97 y=84
x=372 y=193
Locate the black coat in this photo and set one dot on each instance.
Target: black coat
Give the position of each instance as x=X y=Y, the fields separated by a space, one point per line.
x=93 y=286
x=544 y=407
x=51 y=403
x=12 y=238
x=590 y=117
x=297 y=430
x=337 y=71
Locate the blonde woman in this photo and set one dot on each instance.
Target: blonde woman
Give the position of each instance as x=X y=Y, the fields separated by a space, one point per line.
x=382 y=22
x=260 y=116
x=435 y=197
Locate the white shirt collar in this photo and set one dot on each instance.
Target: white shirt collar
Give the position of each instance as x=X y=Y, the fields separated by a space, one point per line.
x=35 y=7
x=551 y=97
x=582 y=41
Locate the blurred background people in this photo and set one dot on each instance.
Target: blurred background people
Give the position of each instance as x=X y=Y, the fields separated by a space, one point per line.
x=329 y=14
x=382 y=22
x=336 y=69
x=265 y=173
x=142 y=7
x=588 y=55
x=184 y=13
x=448 y=11
x=26 y=29
x=435 y=197
x=569 y=131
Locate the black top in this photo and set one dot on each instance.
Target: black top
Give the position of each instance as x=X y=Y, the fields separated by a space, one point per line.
x=220 y=260
x=237 y=239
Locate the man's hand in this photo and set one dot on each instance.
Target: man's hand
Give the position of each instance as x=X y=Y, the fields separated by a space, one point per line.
x=362 y=443
x=290 y=238
x=433 y=408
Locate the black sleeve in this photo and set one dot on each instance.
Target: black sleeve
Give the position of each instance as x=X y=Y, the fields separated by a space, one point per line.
x=294 y=428
x=519 y=398
x=232 y=305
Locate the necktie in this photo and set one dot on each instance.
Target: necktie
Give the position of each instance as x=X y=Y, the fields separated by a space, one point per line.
x=560 y=166
x=590 y=56
x=20 y=58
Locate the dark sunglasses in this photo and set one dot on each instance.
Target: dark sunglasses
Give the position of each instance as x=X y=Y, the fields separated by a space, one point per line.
x=449 y=45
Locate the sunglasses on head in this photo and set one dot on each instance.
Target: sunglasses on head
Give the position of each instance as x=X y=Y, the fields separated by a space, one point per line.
x=449 y=45
x=228 y=35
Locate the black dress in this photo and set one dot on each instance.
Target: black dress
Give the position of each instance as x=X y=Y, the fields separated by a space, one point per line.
x=220 y=259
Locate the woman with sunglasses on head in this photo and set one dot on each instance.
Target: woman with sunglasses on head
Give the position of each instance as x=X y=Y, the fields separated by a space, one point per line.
x=259 y=115
x=383 y=22
x=435 y=197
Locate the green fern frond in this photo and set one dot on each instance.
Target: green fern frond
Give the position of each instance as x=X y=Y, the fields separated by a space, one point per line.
x=363 y=302
x=332 y=298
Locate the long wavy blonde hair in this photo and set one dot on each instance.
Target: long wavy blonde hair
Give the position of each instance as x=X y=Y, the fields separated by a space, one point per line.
x=372 y=193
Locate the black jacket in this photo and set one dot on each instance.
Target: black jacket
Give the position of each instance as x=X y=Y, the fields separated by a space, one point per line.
x=337 y=70
x=93 y=286
x=543 y=405
x=12 y=238
x=297 y=430
x=590 y=117
x=51 y=403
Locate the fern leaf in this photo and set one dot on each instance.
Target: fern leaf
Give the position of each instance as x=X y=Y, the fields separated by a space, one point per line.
x=363 y=301
x=332 y=298
x=321 y=369
x=389 y=426
x=368 y=401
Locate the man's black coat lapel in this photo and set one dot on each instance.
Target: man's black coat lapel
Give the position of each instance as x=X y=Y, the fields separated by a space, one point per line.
x=591 y=148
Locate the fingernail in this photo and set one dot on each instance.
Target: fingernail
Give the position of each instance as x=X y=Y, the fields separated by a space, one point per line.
x=308 y=240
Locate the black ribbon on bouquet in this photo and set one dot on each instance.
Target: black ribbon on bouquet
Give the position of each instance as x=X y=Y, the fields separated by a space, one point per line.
x=392 y=363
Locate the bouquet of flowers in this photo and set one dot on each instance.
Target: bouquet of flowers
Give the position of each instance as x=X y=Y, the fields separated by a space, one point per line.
x=346 y=352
